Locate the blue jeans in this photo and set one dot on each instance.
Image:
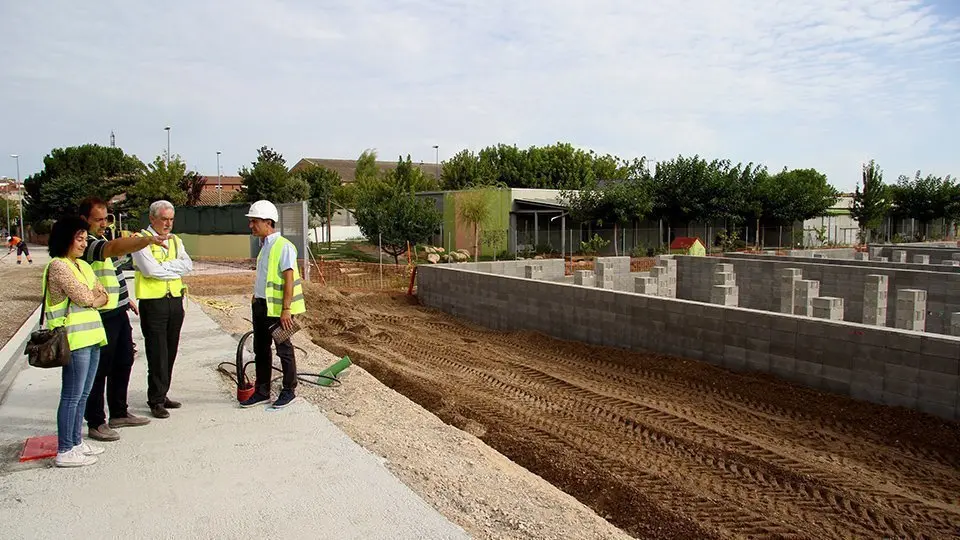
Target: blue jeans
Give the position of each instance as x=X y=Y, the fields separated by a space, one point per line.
x=78 y=378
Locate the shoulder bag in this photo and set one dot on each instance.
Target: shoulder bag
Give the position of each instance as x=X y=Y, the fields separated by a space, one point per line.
x=48 y=348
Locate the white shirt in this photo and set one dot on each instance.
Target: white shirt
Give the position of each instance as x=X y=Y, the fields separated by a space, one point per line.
x=288 y=259
x=147 y=264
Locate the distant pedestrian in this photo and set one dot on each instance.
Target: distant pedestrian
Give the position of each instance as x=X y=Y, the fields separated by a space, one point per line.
x=159 y=289
x=22 y=249
x=72 y=295
x=277 y=297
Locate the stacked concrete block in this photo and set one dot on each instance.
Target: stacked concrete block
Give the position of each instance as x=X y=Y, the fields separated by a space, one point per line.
x=533 y=271
x=883 y=259
x=899 y=256
x=861 y=256
x=875 y=300
x=955 y=324
x=724 y=291
x=645 y=285
x=804 y=291
x=661 y=279
x=585 y=278
x=788 y=277
x=921 y=259
x=955 y=256
x=671 y=271
x=827 y=307
x=912 y=309
x=950 y=262
x=876 y=253
x=606 y=275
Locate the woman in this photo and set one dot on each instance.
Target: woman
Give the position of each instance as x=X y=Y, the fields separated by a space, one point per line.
x=72 y=296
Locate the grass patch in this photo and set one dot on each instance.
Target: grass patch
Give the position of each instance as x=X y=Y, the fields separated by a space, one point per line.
x=343 y=251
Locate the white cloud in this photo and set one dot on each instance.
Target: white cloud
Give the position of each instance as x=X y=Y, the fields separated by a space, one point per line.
x=804 y=84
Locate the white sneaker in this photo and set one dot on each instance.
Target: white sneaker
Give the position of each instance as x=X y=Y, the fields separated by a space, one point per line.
x=89 y=449
x=74 y=458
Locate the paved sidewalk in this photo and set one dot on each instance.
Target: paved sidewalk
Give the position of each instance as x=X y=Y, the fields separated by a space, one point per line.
x=211 y=470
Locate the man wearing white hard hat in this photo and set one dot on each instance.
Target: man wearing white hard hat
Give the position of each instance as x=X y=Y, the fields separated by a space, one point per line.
x=277 y=297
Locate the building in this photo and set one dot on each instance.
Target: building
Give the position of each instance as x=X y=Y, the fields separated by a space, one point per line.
x=837 y=225
x=211 y=196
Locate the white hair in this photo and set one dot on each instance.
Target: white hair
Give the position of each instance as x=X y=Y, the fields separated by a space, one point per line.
x=157 y=206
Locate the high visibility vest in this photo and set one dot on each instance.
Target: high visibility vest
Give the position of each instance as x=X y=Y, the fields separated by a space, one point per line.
x=106 y=272
x=83 y=324
x=148 y=288
x=275 y=281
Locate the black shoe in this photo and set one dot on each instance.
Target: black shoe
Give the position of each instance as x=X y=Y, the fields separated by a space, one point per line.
x=171 y=404
x=159 y=411
x=254 y=400
x=286 y=397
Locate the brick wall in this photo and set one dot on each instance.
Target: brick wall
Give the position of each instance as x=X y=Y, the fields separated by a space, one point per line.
x=937 y=254
x=895 y=367
x=850 y=262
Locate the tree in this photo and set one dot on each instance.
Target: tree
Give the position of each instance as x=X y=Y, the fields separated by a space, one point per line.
x=366 y=168
x=394 y=217
x=473 y=208
x=192 y=185
x=269 y=179
x=923 y=198
x=871 y=201
x=324 y=184
x=806 y=194
x=72 y=173
x=465 y=170
x=158 y=182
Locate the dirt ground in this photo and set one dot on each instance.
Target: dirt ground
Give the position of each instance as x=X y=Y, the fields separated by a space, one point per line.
x=21 y=292
x=661 y=447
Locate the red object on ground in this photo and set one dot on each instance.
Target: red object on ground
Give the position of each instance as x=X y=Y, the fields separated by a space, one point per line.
x=245 y=393
x=684 y=242
x=39 y=448
x=413 y=280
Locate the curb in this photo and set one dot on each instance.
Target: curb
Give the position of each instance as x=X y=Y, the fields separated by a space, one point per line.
x=12 y=360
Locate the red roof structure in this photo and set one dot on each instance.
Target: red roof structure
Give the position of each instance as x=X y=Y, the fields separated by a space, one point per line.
x=684 y=242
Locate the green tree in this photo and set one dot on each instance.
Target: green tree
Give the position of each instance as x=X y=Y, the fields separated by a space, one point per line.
x=923 y=198
x=269 y=179
x=465 y=170
x=324 y=185
x=366 y=166
x=72 y=173
x=473 y=208
x=806 y=192
x=192 y=185
x=158 y=181
x=871 y=201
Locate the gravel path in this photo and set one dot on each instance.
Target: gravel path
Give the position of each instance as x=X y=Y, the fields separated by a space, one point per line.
x=21 y=292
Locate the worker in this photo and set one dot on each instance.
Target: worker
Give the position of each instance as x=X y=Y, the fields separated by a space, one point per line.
x=277 y=297
x=22 y=249
x=116 y=357
x=159 y=288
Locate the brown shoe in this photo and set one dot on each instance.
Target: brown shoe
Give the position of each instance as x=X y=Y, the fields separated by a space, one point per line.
x=128 y=421
x=159 y=411
x=171 y=404
x=103 y=433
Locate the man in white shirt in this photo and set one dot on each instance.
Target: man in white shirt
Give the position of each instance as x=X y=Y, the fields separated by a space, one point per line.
x=160 y=291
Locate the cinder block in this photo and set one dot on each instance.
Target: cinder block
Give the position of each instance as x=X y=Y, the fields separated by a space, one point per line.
x=723 y=278
x=861 y=256
x=951 y=262
x=876 y=253
x=804 y=291
x=899 y=256
x=533 y=271
x=883 y=259
x=875 y=300
x=921 y=259
x=827 y=307
x=723 y=268
x=645 y=285
x=955 y=323
x=725 y=295
x=911 y=311
x=788 y=277
x=585 y=278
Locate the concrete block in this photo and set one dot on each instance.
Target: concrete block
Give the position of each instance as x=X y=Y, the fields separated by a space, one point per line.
x=827 y=307
x=899 y=256
x=723 y=278
x=955 y=256
x=723 y=267
x=950 y=263
x=645 y=285
x=921 y=259
x=533 y=271
x=955 y=323
x=876 y=253
x=725 y=295
x=787 y=279
x=911 y=311
x=861 y=256
x=875 y=300
x=883 y=259
x=804 y=291
x=585 y=278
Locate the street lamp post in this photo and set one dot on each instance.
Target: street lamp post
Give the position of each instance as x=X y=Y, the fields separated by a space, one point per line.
x=167 y=129
x=19 y=195
x=219 y=181
x=7 y=204
x=437 y=148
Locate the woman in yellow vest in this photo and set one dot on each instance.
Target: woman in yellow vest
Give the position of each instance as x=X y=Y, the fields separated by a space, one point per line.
x=72 y=295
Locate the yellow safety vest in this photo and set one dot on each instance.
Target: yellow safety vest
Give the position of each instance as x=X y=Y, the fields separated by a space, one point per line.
x=147 y=288
x=106 y=272
x=83 y=324
x=275 y=281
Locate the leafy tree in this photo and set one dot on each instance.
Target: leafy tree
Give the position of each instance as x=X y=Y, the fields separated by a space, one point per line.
x=72 y=173
x=409 y=177
x=268 y=178
x=324 y=184
x=871 y=201
x=192 y=185
x=923 y=198
x=806 y=192
x=465 y=170
x=473 y=208
x=158 y=182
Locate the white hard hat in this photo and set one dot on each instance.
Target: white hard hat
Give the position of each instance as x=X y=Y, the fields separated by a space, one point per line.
x=264 y=210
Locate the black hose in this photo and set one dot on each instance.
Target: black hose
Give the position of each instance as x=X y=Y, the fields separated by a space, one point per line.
x=240 y=376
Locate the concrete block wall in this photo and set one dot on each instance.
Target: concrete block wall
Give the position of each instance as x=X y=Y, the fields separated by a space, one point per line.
x=875 y=300
x=911 y=309
x=837 y=253
x=883 y=365
x=828 y=307
x=875 y=262
x=937 y=254
x=760 y=282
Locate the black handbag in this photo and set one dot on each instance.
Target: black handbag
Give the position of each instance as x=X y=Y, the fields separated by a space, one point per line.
x=48 y=348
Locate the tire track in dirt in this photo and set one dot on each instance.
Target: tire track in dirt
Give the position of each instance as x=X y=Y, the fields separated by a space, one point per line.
x=700 y=447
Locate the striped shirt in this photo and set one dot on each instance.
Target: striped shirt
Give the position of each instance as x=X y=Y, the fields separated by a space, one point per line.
x=94 y=253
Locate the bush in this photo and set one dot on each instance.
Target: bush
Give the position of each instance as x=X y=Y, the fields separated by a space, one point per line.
x=43 y=227
x=594 y=245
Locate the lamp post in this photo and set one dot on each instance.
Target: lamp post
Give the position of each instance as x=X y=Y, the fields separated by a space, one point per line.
x=219 y=181
x=437 y=148
x=167 y=129
x=19 y=195
x=7 y=204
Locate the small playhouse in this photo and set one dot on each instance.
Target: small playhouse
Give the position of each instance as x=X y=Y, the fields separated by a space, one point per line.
x=688 y=245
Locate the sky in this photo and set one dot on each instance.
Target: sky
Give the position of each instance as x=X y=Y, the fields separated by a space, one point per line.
x=826 y=84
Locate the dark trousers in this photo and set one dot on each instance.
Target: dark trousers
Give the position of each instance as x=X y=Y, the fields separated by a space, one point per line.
x=160 y=321
x=113 y=372
x=262 y=338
